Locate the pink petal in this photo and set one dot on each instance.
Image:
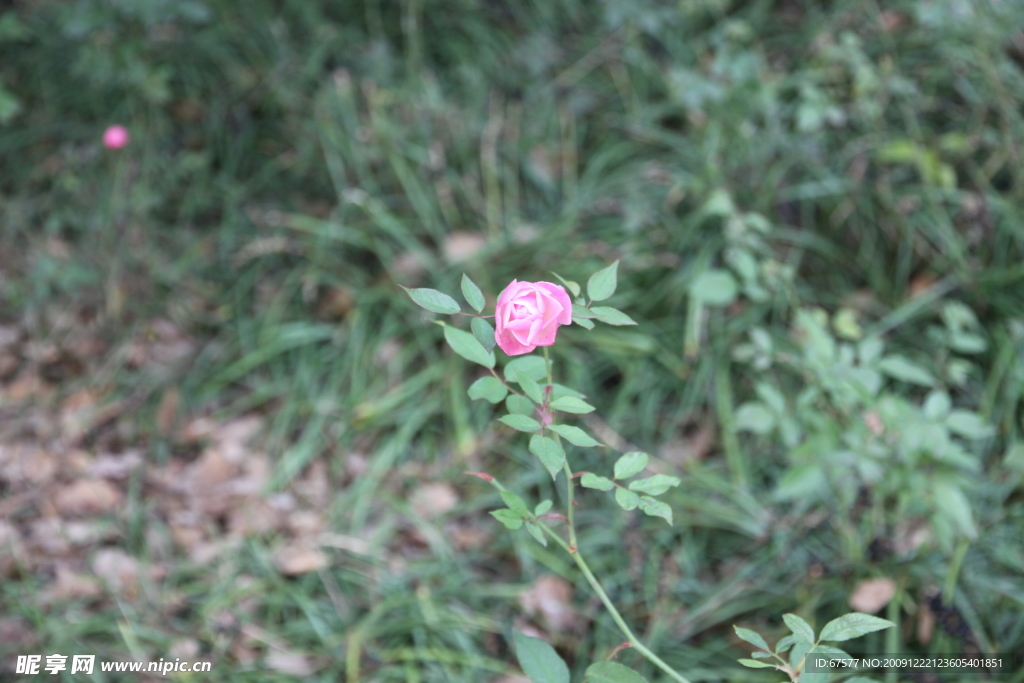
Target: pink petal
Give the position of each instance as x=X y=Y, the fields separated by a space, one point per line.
x=559 y=294
x=510 y=345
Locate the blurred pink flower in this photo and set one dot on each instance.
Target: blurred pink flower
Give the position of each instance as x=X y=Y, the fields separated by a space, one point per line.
x=116 y=137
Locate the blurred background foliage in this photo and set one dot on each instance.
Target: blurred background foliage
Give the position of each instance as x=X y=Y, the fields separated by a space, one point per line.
x=817 y=207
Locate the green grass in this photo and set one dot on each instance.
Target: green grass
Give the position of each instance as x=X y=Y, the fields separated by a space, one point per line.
x=287 y=153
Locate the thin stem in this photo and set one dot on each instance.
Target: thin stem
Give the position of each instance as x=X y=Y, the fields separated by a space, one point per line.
x=565 y=465
x=619 y=621
x=573 y=549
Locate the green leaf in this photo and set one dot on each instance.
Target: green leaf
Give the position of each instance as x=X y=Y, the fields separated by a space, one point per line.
x=754 y=664
x=655 y=508
x=612 y=316
x=601 y=284
x=558 y=391
x=905 y=370
x=654 y=486
x=569 y=284
x=533 y=366
x=629 y=464
x=520 y=422
x=571 y=404
x=593 y=481
x=510 y=519
x=539 y=660
x=800 y=650
x=752 y=637
x=829 y=650
x=968 y=424
x=537 y=534
x=433 y=300
x=520 y=405
x=784 y=644
x=574 y=435
x=754 y=417
x=483 y=332
x=488 y=388
x=466 y=345
x=937 y=405
x=548 y=452
x=531 y=388
x=853 y=625
x=515 y=503
x=583 y=323
x=579 y=311
x=802 y=631
x=474 y=297
x=953 y=504
x=612 y=672
x=627 y=500
x=714 y=287
x=542 y=508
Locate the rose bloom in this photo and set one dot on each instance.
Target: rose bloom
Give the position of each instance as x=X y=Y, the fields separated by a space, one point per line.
x=528 y=315
x=116 y=137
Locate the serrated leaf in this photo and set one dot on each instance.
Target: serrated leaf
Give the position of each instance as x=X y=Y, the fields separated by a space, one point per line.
x=539 y=660
x=754 y=664
x=629 y=464
x=853 y=625
x=752 y=637
x=593 y=481
x=601 y=284
x=520 y=405
x=612 y=672
x=537 y=534
x=905 y=370
x=433 y=300
x=515 y=503
x=757 y=654
x=488 y=388
x=466 y=345
x=548 y=452
x=627 y=500
x=797 y=654
x=611 y=316
x=654 y=486
x=714 y=287
x=558 y=391
x=531 y=388
x=582 y=322
x=474 y=297
x=579 y=311
x=571 y=404
x=802 y=631
x=574 y=435
x=510 y=519
x=829 y=650
x=784 y=644
x=655 y=508
x=533 y=366
x=520 y=422
x=569 y=284
x=542 y=508
x=483 y=332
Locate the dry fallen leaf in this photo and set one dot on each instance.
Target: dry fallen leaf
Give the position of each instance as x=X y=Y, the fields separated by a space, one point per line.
x=88 y=496
x=550 y=597
x=871 y=595
x=290 y=663
x=434 y=499
x=70 y=586
x=460 y=246
x=296 y=559
x=117 y=568
x=167 y=410
x=925 y=624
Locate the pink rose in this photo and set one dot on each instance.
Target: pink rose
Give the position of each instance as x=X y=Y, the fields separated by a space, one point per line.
x=116 y=137
x=528 y=315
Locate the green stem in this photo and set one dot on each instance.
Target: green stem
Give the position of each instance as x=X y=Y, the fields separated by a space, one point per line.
x=565 y=466
x=619 y=621
x=573 y=549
